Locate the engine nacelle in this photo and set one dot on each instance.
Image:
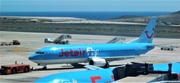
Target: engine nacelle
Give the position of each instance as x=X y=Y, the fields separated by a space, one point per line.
x=98 y=62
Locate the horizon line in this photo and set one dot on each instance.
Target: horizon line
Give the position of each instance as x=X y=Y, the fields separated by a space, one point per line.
x=89 y=11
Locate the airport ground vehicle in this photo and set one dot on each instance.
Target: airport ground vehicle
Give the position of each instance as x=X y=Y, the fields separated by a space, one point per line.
x=169 y=48
x=59 y=40
x=48 y=40
x=14 y=42
x=15 y=68
x=5 y=43
x=116 y=39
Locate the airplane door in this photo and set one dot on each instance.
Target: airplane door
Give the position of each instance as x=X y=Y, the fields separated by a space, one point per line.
x=140 y=49
x=53 y=53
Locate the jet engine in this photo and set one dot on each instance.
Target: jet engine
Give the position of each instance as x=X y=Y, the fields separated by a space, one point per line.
x=99 y=62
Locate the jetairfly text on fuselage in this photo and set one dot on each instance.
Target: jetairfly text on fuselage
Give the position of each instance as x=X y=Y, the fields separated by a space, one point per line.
x=71 y=52
x=90 y=52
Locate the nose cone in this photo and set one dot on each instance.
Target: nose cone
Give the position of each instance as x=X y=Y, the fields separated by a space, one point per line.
x=32 y=57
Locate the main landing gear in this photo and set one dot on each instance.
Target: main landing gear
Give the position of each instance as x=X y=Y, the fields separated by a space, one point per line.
x=44 y=68
x=106 y=65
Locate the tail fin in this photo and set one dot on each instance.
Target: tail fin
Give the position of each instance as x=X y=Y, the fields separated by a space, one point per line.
x=147 y=34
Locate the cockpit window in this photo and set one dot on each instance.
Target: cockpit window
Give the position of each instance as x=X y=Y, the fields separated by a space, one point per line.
x=39 y=52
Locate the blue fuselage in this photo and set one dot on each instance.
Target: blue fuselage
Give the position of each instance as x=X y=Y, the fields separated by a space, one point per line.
x=86 y=76
x=82 y=52
x=96 y=76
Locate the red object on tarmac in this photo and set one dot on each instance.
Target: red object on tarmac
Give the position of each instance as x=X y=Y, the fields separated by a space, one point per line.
x=15 y=68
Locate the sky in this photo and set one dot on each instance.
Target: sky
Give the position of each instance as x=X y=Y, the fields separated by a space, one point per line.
x=88 y=5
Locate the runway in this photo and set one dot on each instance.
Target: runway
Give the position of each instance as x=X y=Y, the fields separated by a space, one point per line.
x=30 y=42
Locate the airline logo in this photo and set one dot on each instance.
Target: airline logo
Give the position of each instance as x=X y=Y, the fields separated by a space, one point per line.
x=148 y=35
x=79 y=52
x=95 y=78
x=91 y=52
x=71 y=52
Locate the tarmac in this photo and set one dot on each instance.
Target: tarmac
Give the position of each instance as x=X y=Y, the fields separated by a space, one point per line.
x=30 y=42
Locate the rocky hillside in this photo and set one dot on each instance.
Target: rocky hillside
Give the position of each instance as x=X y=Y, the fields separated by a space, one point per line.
x=173 y=18
x=169 y=19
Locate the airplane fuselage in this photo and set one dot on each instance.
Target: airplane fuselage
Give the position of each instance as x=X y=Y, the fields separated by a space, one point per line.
x=82 y=52
x=103 y=76
x=99 y=76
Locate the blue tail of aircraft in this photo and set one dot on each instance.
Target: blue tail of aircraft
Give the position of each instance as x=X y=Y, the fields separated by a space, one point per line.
x=147 y=34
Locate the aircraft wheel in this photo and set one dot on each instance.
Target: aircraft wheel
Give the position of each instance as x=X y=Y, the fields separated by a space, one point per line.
x=162 y=49
x=91 y=62
x=44 y=68
x=107 y=65
x=172 y=49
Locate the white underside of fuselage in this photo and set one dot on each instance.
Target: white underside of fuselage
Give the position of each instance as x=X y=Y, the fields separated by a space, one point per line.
x=60 y=61
x=78 y=60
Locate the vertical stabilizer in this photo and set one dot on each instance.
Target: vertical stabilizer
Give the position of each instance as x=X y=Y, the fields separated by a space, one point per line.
x=148 y=33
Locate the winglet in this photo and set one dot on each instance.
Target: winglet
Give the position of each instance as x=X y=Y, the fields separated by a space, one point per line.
x=147 y=34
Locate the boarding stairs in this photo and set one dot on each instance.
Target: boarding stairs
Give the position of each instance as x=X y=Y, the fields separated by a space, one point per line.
x=116 y=39
x=61 y=38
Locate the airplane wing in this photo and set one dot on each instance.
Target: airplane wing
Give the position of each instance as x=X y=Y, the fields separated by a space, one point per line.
x=91 y=67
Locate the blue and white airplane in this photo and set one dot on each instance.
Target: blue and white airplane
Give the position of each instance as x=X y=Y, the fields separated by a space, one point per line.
x=84 y=76
x=96 y=54
x=98 y=75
